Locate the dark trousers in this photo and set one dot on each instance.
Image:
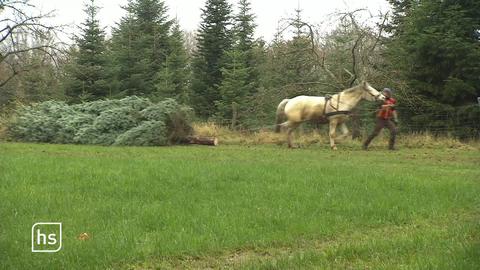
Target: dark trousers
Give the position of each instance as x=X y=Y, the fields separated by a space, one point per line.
x=382 y=123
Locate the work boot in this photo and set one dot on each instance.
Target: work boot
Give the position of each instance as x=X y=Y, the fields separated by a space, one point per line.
x=391 y=143
x=365 y=146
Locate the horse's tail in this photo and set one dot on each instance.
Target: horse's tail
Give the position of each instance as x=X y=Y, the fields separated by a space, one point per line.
x=280 y=116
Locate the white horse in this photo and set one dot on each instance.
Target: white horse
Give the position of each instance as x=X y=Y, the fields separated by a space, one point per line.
x=334 y=109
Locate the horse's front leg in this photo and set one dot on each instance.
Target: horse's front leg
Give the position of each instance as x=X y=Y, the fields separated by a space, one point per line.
x=332 y=133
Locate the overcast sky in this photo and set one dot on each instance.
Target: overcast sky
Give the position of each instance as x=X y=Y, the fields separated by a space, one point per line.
x=268 y=12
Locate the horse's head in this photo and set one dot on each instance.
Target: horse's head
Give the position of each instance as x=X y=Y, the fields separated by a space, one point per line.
x=371 y=94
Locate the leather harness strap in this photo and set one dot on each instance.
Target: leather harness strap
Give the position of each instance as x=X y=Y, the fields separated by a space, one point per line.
x=336 y=112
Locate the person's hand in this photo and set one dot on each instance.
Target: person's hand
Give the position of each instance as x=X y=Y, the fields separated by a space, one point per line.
x=395 y=121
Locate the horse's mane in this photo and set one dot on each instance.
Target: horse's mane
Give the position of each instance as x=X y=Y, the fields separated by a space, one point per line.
x=351 y=89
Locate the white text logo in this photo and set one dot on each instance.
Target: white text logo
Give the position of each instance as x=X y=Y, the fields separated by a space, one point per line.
x=46 y=237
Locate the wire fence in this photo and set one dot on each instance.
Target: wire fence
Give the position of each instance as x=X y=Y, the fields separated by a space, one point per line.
x=460 y=121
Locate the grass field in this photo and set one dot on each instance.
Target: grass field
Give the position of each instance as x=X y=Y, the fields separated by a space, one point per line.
x=241 y=207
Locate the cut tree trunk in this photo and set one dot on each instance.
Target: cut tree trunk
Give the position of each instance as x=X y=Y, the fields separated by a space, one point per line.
x=202 y=140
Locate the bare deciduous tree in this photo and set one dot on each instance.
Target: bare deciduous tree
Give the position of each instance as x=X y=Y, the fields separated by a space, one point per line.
x=22 y=30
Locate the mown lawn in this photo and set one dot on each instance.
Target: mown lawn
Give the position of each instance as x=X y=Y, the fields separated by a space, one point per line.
x=262 y=207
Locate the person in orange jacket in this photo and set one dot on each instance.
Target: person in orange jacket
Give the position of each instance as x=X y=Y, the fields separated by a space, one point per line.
x=386 y=117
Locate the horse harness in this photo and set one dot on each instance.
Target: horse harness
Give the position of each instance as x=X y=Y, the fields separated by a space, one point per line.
x=337 y=112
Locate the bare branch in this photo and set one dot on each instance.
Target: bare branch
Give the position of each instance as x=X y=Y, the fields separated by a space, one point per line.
x=354 y=59
x=24 y=23
x=18 y=51
x=380 y=32
x=4 y=82
x=22 y=33
x=319 y=59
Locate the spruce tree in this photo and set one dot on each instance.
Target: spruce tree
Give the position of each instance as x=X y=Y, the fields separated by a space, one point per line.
x=234 y=88
x=173 y=78
x=299 y=56
x=140 y=46
x=436 y=48
x=87 y=77
x=240 y=79
x=244 y=32
x=400 y=10
x=214 y=40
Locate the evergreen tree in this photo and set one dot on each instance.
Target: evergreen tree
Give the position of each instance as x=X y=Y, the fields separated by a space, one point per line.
x=400 y=10
x=173 y=78
x=214 y=40
x=41 y=82
x=292 y=62
x=87 y=78
x=234 y=88
x=244 y=32
x=436 y=48
x=299 y=56
x=240 y=79
x=140 y=46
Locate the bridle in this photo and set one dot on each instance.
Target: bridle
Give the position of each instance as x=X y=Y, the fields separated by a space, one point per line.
x=375 y=96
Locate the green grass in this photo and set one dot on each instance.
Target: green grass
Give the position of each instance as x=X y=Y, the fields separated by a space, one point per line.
x=262 y=207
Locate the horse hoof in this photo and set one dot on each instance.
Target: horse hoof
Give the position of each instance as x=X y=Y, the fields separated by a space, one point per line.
x=334 y=148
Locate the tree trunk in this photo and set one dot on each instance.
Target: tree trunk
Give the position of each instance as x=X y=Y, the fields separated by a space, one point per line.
x=234 y=115
x=202 y=140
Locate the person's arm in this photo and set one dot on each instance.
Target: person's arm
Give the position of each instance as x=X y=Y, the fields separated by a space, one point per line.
x=395 y=116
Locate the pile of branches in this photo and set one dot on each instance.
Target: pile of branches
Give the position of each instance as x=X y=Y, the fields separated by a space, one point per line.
x=128 y=121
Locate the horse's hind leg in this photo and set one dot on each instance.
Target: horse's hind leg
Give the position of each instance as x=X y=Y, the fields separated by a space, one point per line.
x=291 y=127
